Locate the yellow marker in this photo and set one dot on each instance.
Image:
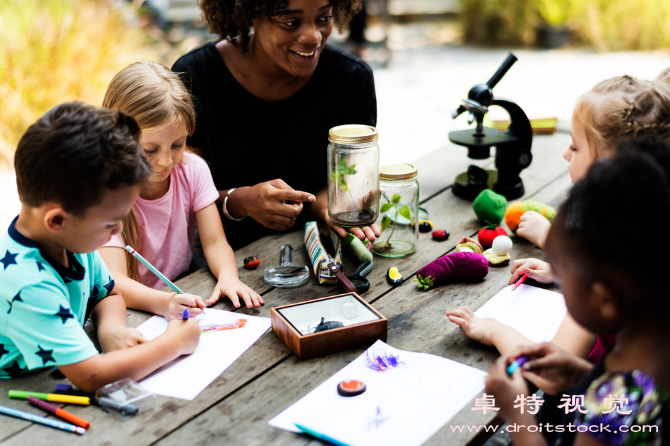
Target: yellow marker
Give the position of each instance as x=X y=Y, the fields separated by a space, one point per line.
x=21 y=395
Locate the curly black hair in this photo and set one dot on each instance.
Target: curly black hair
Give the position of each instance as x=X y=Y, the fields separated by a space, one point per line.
x=610 y=219
x=231 y=19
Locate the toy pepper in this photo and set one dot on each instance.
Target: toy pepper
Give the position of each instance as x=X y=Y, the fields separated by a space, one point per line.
x=518 y=208
x=489 y=207
x=454 y=267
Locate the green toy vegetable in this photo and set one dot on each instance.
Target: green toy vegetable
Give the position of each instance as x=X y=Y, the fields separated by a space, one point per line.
x=489 y=207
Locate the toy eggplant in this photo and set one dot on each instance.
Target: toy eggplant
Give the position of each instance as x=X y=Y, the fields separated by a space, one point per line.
x=454 y=267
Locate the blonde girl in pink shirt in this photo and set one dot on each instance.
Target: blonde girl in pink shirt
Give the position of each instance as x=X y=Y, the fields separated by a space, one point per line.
x=179 y=196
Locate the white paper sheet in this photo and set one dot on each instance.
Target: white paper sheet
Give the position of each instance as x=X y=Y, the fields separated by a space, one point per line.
x=532 y=311
x=187 y=376
x=403 y=405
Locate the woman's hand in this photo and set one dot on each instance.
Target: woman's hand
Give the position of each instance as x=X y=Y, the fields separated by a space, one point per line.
x=552 y=364
x=476 y=328
x=119 y=338
x=274 y=204
x=233 y=288
x=534 y=228
x=180 y=302
x=366 y=232
x=535 y=269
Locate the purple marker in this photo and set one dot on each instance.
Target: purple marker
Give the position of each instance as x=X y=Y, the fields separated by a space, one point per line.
x=185 y=315
x=517 y=364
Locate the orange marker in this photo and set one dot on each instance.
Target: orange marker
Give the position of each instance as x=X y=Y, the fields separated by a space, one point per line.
x=64 y=414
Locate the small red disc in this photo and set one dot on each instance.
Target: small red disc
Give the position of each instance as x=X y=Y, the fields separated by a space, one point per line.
x=350 y=388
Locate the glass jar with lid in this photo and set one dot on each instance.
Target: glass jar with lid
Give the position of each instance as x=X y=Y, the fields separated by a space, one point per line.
x=353 y=175
x=399 y=210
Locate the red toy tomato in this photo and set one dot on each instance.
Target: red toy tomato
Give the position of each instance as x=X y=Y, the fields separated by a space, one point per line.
x=487 y=234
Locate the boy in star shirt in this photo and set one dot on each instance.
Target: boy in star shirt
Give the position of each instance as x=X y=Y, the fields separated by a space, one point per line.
x=78 y=172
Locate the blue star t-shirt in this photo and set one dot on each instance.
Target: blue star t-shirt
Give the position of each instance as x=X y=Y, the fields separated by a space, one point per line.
x=43 y=305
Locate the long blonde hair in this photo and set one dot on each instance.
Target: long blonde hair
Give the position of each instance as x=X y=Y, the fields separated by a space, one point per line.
x=622 y=107
x=155 y=97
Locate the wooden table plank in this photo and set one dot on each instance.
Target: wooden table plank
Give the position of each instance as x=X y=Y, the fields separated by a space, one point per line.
x=269 y=351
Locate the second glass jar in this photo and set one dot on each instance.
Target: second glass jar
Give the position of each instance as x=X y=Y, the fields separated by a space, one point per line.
x=399 y=210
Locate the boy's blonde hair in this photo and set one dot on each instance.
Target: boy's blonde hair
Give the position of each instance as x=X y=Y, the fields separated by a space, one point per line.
x=622 y=107
x=156 y=98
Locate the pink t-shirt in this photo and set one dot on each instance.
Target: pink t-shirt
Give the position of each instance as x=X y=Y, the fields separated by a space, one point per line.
x=167 y=225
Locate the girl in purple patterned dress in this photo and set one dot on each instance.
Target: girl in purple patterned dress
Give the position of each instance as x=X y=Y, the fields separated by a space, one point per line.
x=610 y=288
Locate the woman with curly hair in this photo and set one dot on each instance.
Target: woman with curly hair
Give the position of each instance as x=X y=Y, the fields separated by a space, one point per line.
x=266 y=95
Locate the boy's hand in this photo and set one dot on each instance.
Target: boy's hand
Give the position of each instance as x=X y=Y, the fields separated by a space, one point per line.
x=233 y=288
x=535 y=269
x=186 y=333
x=505 y=389
x=552 y=364
x=476 y=328
x=118 y=338
x=180 y=302
x=534 y=228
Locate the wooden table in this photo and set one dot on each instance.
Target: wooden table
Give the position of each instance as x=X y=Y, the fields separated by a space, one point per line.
x=268 y=378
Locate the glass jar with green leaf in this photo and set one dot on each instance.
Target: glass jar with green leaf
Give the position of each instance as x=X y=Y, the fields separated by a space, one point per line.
x=353 y=175
x=399 y=211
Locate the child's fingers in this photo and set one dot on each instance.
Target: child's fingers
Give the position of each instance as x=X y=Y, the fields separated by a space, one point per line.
x=234 y=299
x=213 y=298
x=465 y=326
x=200 y=303
x=257 y=298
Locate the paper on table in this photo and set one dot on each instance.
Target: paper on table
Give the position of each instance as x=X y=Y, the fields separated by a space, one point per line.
x=187 y=376
x=532 y=311
x=409 y=396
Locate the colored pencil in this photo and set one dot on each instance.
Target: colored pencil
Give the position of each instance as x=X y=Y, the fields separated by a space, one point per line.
x=517 y=364
x=54 y=397
x=519 y=282
x=315 y=434
x=41 y=420
x=64 y=414
x=151 y=268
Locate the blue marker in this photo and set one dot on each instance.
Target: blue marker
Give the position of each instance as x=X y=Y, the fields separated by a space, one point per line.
x=518 y=362
x=319 y=436
x=185 y=315
x=41 y=420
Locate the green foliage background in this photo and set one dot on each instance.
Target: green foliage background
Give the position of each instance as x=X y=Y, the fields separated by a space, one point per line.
x=53 y=51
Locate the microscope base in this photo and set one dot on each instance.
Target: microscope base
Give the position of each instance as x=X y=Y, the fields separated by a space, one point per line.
x=468 y=191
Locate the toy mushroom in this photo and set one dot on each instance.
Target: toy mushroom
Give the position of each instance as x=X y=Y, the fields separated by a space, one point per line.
x=498 y=255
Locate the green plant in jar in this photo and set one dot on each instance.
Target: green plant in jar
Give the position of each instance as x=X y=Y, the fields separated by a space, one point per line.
x=339 y=178
x=400 y=209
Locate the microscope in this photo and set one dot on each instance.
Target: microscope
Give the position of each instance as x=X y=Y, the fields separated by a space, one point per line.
x=512 y=146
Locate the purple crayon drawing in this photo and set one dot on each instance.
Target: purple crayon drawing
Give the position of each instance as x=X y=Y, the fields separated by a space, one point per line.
x=378 y=420
x=382 y=362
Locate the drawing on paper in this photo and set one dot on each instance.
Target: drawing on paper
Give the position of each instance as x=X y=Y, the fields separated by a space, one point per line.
x=378 y=420
x=239 y=323
x=381 y=362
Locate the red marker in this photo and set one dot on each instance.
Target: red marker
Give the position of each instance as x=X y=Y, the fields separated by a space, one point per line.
x=64 y=414
x=519 y=282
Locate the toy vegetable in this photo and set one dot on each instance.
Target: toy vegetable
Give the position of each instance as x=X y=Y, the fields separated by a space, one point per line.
x=487 y=234
x=518 y=208
x=498 y=255
x=455 y=266
x=489 y=207
x=468 y=245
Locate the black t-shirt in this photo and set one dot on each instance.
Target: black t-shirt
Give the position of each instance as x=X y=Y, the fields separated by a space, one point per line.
x=247 y=141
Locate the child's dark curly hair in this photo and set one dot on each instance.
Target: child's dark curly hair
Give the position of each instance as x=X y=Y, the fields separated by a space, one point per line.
x=231 y=19
x=609 y=227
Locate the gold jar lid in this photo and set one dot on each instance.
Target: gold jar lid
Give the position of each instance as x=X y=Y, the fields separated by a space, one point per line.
x=399 y=171
x=353 y=134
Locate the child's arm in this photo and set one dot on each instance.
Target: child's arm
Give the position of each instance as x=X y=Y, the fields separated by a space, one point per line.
x=534 y=228
x=181 y=338
x=221 y=260
x=109 y=316
x=570 y=337
x=141 y=297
